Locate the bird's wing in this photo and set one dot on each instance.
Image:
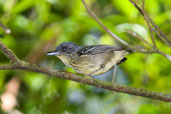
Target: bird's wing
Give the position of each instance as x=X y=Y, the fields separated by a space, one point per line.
x=96 y=49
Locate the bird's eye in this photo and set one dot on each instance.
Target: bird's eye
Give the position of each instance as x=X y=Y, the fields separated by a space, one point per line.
x=64 y=48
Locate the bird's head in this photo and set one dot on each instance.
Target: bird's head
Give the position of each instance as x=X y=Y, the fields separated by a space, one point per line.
x=66 y=48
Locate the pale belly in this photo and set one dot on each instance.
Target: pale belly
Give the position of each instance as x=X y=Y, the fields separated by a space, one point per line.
x=94 y=64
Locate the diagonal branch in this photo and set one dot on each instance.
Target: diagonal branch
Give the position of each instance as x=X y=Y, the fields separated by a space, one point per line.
x=22 y=65
x=89 y=81
x=8 y=53
x=148 y=24
x=136 y=35
x=154 y=49
x=105 y=28
x=156 y=29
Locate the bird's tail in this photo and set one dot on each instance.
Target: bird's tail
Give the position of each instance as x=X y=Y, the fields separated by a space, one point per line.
x=122 y=60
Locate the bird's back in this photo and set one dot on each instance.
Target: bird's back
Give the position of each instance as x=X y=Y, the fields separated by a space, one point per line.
x=95 y=60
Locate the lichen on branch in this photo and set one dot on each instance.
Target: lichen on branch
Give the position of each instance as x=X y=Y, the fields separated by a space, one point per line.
x=22 y=65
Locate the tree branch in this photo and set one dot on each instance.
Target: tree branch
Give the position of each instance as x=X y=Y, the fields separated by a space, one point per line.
x=153 y=49
x=105 y=28
x=8 y=53
x=17 y=64
x=133 y=48
x=136 y=35
x=148 y=20
x=22 y=65
x=88 y=80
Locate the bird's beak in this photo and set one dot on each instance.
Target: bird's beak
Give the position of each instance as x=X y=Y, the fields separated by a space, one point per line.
x=53 y=53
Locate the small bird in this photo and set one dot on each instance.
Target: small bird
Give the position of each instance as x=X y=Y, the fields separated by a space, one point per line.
x=89 y=60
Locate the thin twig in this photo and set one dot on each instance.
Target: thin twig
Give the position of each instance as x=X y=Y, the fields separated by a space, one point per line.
x=137 y=7
x=166 y=41
x=160 y=32
x=143 y=4
x=136 y=35
x=110 y=32
x=105 y=28
x=151 y=31
x=133 y=48
x=156 y=29
x=142 y=11
x=22 y=65
x=152 y=50
x=163 y=54
x=148 y=24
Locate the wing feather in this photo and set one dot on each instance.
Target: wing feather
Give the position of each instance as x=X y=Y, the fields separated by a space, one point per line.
x=96 y=49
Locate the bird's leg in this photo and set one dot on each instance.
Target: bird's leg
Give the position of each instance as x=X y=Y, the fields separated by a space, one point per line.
x=114 y=73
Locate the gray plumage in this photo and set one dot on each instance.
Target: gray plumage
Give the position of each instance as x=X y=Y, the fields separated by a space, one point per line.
x=89 y=60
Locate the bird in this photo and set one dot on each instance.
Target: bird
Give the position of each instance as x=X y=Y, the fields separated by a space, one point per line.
x=90 y=60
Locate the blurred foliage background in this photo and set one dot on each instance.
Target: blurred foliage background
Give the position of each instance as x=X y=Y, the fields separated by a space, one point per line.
x=39 y=26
